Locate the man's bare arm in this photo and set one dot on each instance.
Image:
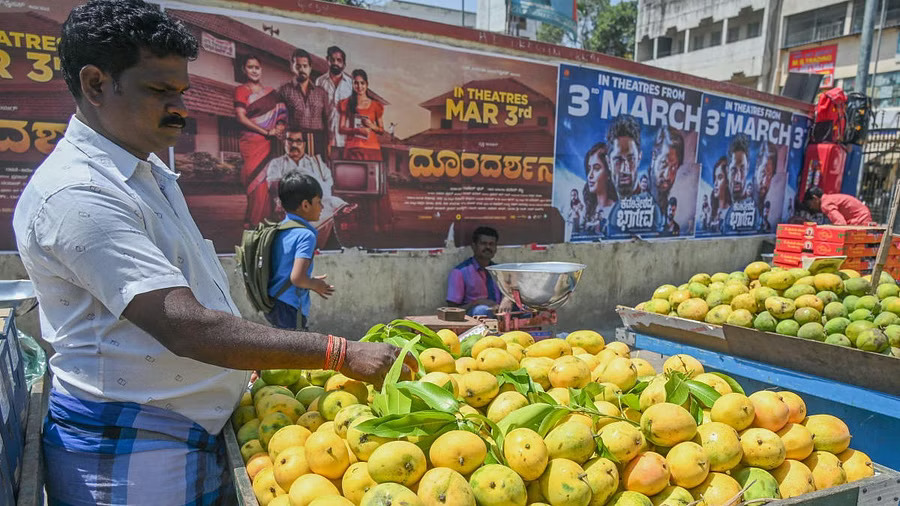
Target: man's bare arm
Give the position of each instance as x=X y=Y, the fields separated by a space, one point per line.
x=180 y=323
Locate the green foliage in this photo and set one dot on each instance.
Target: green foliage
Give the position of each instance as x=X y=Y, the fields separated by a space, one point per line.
x=602 y=26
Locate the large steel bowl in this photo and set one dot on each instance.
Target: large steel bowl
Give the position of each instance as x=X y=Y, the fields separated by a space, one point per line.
x=540 y=285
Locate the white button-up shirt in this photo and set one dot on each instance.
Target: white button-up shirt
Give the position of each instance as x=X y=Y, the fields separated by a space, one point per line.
x=336 y=92
x=96 y=226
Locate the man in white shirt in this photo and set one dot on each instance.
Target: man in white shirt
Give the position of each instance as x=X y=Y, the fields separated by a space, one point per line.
x=150 y=353
x=339 y=86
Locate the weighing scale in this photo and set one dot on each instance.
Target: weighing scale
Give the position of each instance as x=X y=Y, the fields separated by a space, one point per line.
x=538 y=290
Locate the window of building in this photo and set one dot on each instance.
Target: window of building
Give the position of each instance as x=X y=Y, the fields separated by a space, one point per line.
x=697 y=42
x=734 y=34
x=891 y=14
x=446 y=124
x=716 y=38
x=887 y=89
x=663 y=47
x=815 y=25
x=645 y=49
x=753 y=30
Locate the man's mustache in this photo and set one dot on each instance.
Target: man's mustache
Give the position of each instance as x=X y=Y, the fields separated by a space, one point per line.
x=173 y=120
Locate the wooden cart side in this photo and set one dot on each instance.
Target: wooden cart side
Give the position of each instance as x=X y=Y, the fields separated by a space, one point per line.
x=242 y=486
x=883 y=489
x=31 y=486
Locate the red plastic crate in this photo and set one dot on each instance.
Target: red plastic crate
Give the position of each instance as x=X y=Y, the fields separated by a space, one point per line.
x=859 y=264
x=789 y=231
x=793 y=245
x=848 y=235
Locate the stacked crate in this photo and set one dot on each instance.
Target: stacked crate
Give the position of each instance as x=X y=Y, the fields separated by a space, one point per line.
x=793 y=243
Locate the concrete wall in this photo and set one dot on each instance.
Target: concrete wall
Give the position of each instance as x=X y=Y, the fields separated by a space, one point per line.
x=374 y=288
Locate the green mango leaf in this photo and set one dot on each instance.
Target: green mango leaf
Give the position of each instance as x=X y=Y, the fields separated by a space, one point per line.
x=550 y=422
x=603 y=451
x=394 y=373
x=434 y=396
x=529 y=416
x=735 y=386
x=696 y=411
x=425 y=442
x=632 y=401
x=705 y=394
x=398 y=403
x=579 y=398
x=375 y=334
x=429 y=339
x=541 y=397
x=519 y=379
x=676 y=390
x=593 y=389
x=422 y=423
x=495 y=431
x=639 y=387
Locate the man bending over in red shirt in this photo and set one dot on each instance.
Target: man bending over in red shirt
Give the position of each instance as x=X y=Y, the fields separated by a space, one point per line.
x=840 y=209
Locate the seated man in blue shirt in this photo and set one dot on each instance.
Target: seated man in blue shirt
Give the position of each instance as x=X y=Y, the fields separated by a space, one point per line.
x=293 y=251
x=470 y=286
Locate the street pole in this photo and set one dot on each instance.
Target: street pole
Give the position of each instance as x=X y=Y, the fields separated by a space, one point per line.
x=865 y=46
x=877 y=51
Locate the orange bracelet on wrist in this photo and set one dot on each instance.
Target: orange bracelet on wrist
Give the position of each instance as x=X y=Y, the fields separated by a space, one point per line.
x=342 y=355
x=329 y=352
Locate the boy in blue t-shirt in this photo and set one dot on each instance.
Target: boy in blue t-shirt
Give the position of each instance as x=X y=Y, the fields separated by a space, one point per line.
x=292 y=253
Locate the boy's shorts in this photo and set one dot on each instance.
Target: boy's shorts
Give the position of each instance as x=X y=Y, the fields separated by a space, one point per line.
x=284 y=316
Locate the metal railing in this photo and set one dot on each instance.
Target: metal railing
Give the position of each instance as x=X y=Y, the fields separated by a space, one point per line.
x=881 y=157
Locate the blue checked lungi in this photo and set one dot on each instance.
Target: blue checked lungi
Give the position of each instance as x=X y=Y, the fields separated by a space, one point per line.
x=116 y=453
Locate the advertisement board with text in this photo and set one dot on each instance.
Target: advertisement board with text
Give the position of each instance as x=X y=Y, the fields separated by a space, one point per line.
x=625 y=156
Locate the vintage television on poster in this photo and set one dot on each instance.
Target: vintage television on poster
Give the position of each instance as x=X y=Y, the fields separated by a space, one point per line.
x=357 y=177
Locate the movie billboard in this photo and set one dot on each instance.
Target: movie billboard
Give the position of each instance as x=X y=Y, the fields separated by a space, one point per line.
x=35 y=104
x=743 y=153
x=413 y=143
x=801 y=125
x=626 y=151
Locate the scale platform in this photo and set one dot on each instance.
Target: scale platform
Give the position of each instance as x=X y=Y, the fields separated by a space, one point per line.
x=538 y=290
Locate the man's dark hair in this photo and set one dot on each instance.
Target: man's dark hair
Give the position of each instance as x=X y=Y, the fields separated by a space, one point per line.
x=624 y=126
x=488 y=231
x=673 y=201
x=668 y=136
x=740 y=142
x=295 y=188
x=814 y=192
x=110 y=34
x=767 y=205
x=301 y=53
x=334 y=49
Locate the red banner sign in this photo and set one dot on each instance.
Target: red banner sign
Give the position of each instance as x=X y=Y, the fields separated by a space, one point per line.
x=818 y=60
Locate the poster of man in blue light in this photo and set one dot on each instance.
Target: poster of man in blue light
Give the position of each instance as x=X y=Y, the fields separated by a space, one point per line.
x=625 y=156
x=743 y=153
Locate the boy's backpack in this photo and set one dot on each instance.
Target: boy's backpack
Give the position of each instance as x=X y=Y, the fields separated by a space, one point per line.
x=831 y=117
x=254 y=258
x=859 y=114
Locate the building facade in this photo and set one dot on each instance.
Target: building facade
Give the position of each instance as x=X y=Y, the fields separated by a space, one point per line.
x=833 y=28
x=730 y=41
x=723 y=40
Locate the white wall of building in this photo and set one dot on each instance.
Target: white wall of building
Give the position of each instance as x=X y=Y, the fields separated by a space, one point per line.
x=426 y=12
x=719 y=63
x=657 y=16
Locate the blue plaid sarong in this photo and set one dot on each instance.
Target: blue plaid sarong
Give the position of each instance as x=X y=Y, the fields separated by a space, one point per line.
x=116 y=453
